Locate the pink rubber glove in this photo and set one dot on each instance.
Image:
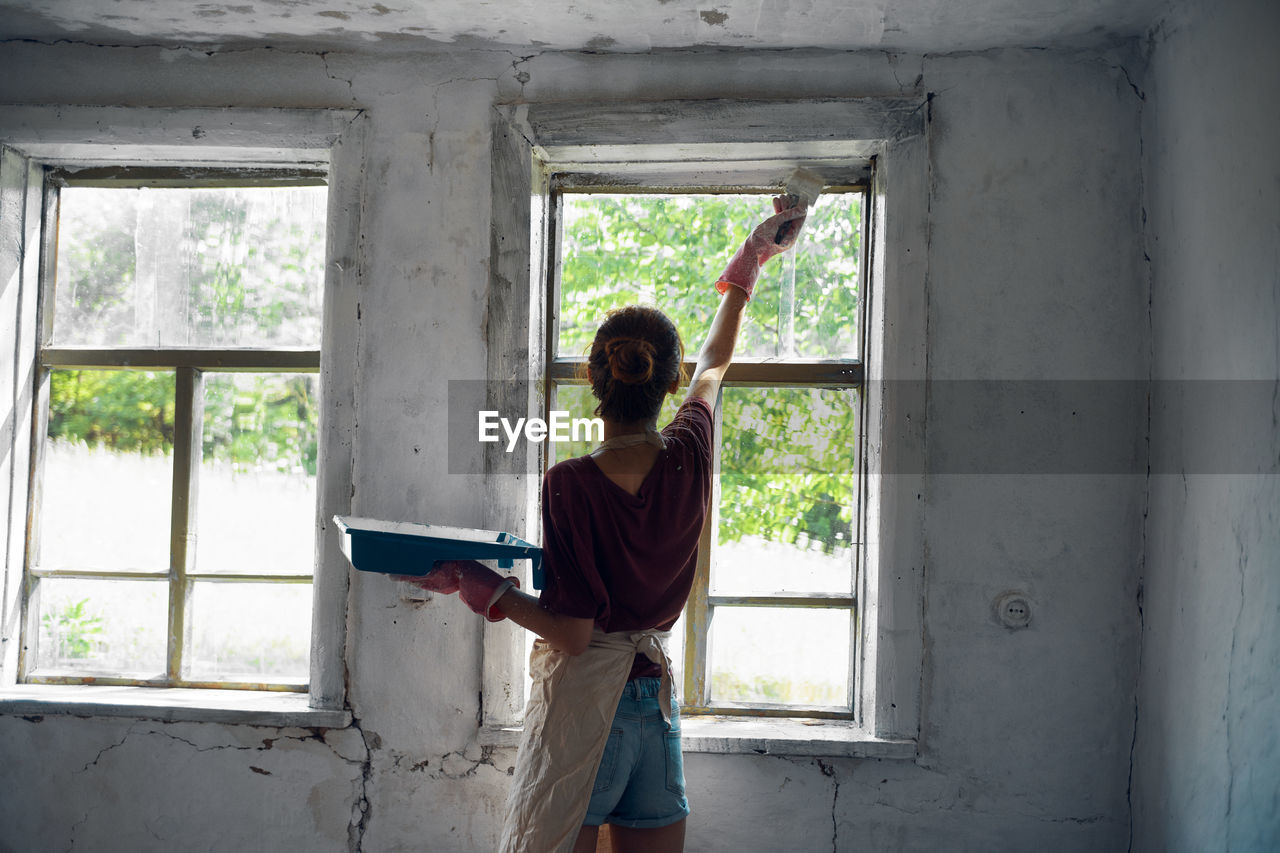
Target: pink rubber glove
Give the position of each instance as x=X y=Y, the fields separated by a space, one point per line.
x=769 y=238
x=478 y=587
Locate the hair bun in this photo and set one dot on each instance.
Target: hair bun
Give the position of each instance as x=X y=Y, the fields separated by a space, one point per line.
x=631 y=360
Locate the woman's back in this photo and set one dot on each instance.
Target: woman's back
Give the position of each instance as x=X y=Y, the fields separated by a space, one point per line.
x=626 y=559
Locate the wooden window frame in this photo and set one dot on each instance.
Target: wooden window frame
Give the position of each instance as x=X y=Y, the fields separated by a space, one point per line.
x=188 y=366
x=749 y=143
x=260 y=146
x=744 y=372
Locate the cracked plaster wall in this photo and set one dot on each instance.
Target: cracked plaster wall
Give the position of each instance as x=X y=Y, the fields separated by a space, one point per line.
x=1025 y=734
x=1207 y=758
x=116 y=784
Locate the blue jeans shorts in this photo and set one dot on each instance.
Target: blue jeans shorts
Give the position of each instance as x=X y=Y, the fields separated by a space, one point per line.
x=641 y=778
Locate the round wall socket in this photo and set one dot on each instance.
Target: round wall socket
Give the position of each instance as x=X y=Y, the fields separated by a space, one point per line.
x=1013 y=609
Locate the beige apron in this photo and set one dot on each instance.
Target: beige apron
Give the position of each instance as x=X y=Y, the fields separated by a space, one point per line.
x=570 y=713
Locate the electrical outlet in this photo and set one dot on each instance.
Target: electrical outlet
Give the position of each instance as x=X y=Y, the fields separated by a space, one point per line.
x=1013 y=609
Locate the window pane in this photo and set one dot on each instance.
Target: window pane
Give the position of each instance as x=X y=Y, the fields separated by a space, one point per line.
x=768 y=655
x=102 y=627
x=787 y=491
x=823 y=323
x=108 y=471
x=255 y=632
x=176 y=267
x=257 y=502
x=666 y=251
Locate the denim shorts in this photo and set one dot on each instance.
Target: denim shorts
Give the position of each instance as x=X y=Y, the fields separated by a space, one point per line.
x=641 y=778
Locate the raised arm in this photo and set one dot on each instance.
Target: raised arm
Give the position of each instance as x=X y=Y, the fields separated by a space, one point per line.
x=736 y=283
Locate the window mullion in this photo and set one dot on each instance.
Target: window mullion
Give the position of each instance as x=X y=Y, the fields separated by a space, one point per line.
x=188 y=421
x=697 y=614
x=28 y=650
x=282 y=360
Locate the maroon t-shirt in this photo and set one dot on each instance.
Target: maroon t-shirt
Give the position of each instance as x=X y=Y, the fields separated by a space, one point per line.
x=627 y=561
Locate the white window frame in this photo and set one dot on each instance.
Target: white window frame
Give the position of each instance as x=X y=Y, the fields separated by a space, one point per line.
x=750 y=144
x=36 y=138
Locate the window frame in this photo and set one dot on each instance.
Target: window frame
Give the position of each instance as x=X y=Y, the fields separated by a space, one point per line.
x=108 y=143
x=749 y=372
x=188 y=366
x=757 y=143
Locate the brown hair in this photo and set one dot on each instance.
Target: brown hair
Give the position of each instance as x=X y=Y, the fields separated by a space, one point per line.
x=636 y=355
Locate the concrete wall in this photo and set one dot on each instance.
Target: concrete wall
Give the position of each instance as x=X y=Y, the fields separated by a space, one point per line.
x=1207 y=774
x=1036 y=274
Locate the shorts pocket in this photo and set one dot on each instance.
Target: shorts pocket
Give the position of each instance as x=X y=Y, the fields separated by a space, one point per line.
x=608 y=762
x=675 y=762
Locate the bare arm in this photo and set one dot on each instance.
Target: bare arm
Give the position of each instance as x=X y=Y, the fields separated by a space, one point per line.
x=568 y=634
x=717 y=352
x=477 y=584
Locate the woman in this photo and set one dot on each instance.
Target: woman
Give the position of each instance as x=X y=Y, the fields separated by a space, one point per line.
x=620 y=536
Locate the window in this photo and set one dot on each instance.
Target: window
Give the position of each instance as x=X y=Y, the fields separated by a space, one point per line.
x=47 y=154
x=173 y=519
x=875 y=148
x=778 y=559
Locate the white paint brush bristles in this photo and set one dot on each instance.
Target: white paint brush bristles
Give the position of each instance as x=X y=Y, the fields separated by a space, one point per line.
x=805 y=186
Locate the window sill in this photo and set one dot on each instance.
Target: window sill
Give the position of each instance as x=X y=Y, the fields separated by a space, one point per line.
x=761 y=736
x=236 y=707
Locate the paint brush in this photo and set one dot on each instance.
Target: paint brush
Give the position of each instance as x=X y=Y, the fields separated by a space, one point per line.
x=802 y=187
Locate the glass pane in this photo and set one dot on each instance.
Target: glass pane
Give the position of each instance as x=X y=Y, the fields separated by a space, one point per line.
x=257 y=502
x=255 y=632
x=102 y=627
x=787 y=491
x=108 y=471
x=666 y=250
x=176 y=267
x=579 y=402
x=823 y=323
x=770 y=655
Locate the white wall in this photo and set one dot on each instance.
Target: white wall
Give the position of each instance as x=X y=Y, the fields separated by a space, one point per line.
x=1036 y=272
x=1207 y=774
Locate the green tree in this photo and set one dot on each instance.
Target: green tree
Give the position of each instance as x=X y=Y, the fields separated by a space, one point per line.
x=124 y=410
x=788 y=464
x=251 y=275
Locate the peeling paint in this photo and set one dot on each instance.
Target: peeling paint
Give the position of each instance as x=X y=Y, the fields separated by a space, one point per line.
x=427 y=758
x=572 y=25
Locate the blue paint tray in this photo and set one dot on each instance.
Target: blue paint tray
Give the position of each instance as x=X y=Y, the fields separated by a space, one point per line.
x=405 y=548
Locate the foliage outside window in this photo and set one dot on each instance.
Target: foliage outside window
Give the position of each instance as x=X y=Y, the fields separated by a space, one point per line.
x=771 y=623
x=174 y=522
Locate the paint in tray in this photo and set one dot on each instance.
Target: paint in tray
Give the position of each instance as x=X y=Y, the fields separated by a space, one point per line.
x=409 y=548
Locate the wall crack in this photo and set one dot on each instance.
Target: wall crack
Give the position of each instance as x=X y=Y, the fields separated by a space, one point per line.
x=829 y=770
x=107 y=749
x=363 y=809
x=1146 y=492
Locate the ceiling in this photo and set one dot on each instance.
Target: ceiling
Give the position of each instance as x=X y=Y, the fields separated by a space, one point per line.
x=596 y=25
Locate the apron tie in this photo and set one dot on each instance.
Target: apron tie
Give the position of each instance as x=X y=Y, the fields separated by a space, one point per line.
x=653 y=645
